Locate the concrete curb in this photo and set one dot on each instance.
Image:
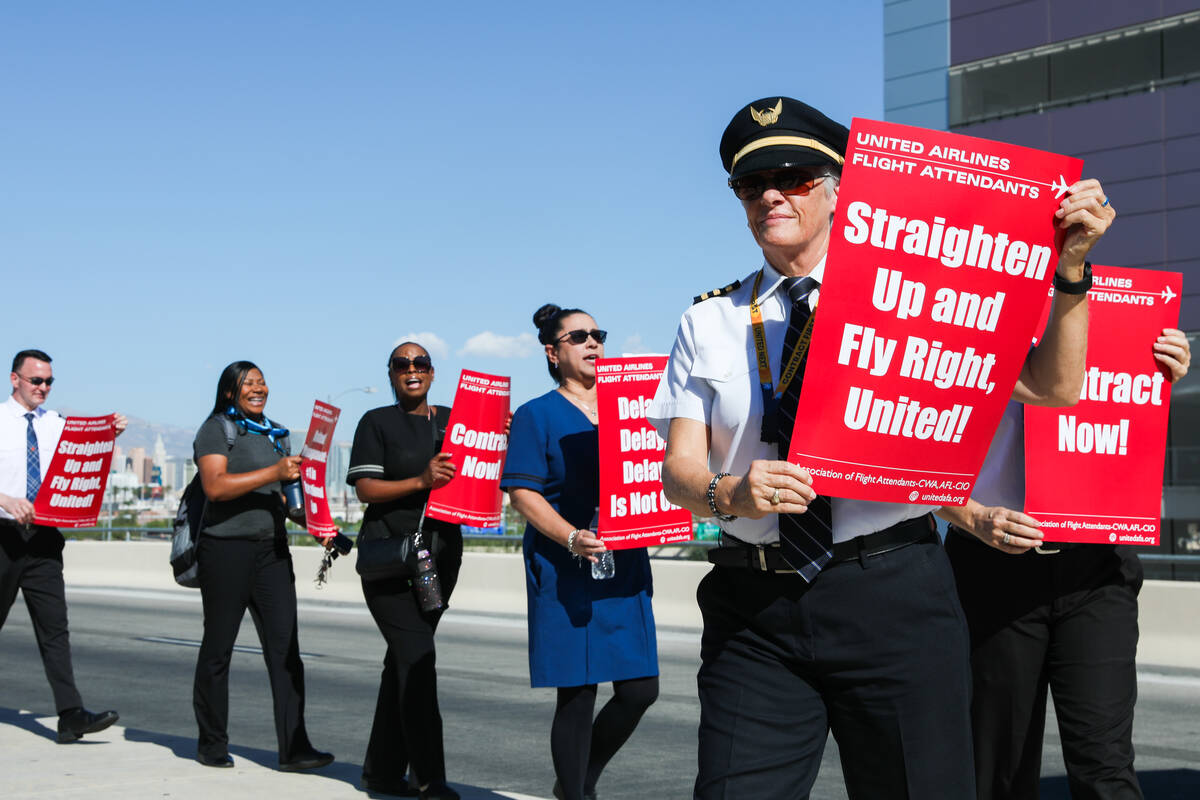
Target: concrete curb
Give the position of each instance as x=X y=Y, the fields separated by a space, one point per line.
x=495 y=583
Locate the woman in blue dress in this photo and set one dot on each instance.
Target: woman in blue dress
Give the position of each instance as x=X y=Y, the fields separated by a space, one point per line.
x=582 y=631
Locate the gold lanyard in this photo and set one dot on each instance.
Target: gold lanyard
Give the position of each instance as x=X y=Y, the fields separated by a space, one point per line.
x=760 y=347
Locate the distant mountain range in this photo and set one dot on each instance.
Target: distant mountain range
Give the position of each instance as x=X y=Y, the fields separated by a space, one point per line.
x=143 y=433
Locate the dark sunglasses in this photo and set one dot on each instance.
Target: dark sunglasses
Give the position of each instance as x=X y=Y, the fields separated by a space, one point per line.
x=37 y=381
x=581 y=336
x=420 y=364
x=788 y=181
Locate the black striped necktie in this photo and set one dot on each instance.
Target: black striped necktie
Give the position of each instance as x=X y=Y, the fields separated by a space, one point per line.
x=805 y=540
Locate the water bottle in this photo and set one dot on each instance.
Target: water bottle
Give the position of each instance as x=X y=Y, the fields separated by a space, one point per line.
x=604 y=567
x=426 y=583
x=293 y=496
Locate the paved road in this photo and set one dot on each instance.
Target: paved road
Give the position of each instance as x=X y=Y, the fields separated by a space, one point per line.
x=135 y=651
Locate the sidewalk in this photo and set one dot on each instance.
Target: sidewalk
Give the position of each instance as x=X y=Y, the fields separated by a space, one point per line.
x=139 y=765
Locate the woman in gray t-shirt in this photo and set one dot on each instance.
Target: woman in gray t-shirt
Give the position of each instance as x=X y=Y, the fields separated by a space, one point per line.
x=244 y=563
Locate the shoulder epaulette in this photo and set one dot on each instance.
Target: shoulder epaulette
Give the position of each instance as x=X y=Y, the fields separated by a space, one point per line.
x=716 y=292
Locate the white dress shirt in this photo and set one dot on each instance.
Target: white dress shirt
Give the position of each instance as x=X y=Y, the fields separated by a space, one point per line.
x=48 y=425
x=1001 y=479
x=712 y=377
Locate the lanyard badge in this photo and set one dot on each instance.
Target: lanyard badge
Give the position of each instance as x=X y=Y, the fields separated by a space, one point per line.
x=769 y=432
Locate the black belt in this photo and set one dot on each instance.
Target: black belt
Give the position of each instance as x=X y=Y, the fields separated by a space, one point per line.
x=767 y=558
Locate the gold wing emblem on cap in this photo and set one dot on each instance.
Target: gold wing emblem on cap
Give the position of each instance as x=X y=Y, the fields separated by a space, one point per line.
x=768 y=116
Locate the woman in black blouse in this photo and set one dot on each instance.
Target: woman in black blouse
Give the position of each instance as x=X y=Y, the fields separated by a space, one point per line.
x=395 y=461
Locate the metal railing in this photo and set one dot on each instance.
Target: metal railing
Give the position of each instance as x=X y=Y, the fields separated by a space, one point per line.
x=127 y=533
x=674 y=550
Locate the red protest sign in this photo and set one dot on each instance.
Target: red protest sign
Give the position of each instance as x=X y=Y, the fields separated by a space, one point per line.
x=73 y=489
x=476 y=441
x=940 y=255
x=634 y=511
x=1119 y=426
x=314 y=456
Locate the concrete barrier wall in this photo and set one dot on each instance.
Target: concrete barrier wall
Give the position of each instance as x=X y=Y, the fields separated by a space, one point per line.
x=495 y=583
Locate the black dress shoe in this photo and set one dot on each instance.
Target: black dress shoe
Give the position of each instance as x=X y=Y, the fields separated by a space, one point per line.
x=223 y=762
x=313 y=759
x=438 y=790
x=76 y=722
x=400 y=788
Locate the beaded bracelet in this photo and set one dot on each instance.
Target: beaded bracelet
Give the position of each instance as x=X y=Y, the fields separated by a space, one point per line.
x=712 y=498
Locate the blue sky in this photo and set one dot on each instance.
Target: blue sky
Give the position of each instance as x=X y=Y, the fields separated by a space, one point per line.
x=303 y=184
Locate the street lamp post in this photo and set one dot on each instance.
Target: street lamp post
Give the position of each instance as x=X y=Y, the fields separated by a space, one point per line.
x=363 y=389
x=331 y=398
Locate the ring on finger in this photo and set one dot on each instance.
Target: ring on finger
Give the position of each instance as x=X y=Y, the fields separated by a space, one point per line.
x=1105 y=203
x=1007 y=538
x=775 y=498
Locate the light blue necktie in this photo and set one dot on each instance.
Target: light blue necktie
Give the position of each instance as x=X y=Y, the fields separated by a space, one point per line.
x=33 y=462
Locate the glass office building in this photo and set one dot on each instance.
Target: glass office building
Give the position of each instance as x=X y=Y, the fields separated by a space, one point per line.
x=1114 y=83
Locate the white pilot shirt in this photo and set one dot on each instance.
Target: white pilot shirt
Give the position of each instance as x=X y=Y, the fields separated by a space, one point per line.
x=712 y=377
x=1001 y=479
x=48 y=426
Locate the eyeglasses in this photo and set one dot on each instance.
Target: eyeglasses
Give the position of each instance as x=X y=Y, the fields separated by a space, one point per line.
x=581 y=336
x=420 y=364
x=791 y=182
x=37 y=381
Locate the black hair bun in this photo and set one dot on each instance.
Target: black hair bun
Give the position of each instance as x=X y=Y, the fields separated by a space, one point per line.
x=544 y=315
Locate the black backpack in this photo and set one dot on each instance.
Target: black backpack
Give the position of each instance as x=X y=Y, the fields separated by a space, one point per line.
x=188 y=519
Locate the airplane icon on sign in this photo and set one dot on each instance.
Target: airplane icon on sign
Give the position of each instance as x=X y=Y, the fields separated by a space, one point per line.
x=1166 y=294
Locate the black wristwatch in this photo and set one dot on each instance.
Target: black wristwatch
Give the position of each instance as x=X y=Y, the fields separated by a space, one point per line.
x=1074 y=287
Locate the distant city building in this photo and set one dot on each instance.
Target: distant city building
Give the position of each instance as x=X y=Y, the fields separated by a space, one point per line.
x=160 y=451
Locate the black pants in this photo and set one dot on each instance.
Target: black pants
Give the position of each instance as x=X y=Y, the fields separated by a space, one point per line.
x=236 y=574
x=1065 y=622
x=31 y=561
x=407 y=728
x=875 y=651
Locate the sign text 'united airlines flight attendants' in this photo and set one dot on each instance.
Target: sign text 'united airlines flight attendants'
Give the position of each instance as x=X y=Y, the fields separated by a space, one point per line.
x=477 y=444
x=634 y=510
x=1093 y=471
x=314 y=456
x=942 y=250
x=73 y=490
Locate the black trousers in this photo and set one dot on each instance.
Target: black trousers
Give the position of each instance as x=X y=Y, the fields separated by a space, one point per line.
x=1066 y=623
x=235 y=575
x=31 y=561
x=875 y=651
x=407 y=728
